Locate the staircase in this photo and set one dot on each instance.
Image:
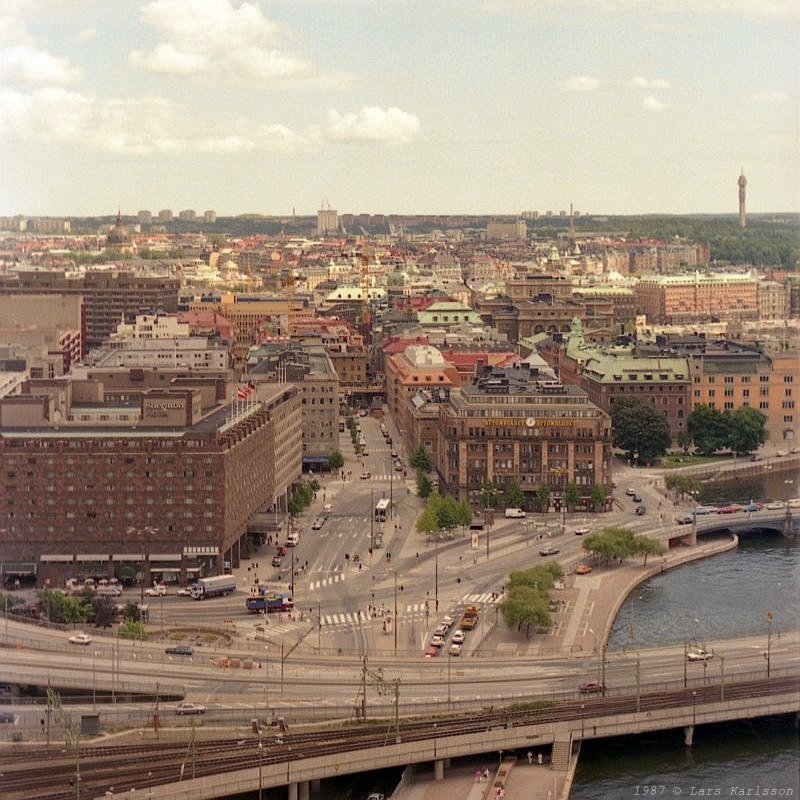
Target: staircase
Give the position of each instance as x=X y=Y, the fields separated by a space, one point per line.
x=560 y=757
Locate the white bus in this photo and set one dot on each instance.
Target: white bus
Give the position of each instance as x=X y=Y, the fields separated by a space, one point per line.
x=382 y=509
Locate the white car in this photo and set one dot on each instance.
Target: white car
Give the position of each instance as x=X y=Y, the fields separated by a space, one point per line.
x=440 y=629
x=184 y=591
x=437 y=640
x=458 y=636
x=548 y=550
x=190 y=708
x=455 y=649
x=80 y=638
x=775 y=505
x=156 y=591
x=698 y=654
x=447 y=620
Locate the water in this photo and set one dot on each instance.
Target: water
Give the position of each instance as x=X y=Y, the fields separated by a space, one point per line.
x=729 y=594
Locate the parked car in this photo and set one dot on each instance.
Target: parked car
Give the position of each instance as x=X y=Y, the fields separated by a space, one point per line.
x=179 y=650
x=698 y=654
x=156 y=591
x=455 y=649
x=277 y=561
x=583 y=569
x=686 y=519
x=185 y=707
x=80 y=638
x=377 y=796
x=640 y=511
x=393 y=453
x=781 y=453
x=184 y=591
x=591 y=688
x=458 y=636
x=281 y=551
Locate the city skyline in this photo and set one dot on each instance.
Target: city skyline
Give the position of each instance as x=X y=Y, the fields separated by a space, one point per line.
x=490 y=107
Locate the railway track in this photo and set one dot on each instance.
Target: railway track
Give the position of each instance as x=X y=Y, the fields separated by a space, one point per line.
x=44 y=773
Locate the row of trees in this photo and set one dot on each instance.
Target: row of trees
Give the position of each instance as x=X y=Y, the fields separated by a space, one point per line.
x=742 y=430
x=87 y=607
x=443 y=512
x=302 y=496
x=617 y=544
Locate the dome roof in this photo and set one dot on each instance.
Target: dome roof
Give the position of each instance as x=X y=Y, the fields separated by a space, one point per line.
x=118 y=235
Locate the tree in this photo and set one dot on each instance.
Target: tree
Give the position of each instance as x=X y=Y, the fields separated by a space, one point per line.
x=708 y=428
x=611 y=544
x=684 y=441
x=746 y=430
x=131 y=612
x=645 y=546
x=572 y=495
x=424 y=485
x=336 y=460
x=103 y=612
x=598 y=496
x=490 y=496
x=421 y=459
x=640 y=429
x=543 y=497
x=464 y=513
x=513 y=496
x=132 y=629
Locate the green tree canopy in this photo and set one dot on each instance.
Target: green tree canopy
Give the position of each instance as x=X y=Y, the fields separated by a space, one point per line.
x=746 y=430
x=708 y=428
x=421 y=459
x=513 y=496
x=543 y=497
x=336 y=460
x=572 y=494
x=640 y=429
x=646 y=546
x=611 y=544
x=490 y=496
x=424 y=485
x=598 y=495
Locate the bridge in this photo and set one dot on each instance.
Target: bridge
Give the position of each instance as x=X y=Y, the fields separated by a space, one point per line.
x=779 y=520
x=264 y=759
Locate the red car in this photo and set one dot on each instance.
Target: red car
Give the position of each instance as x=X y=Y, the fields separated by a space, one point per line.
x=591 y=688
x=281 y=550
x=731 y=509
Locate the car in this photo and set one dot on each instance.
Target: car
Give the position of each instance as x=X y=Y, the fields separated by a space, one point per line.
x=636 y=498
x=755 y=458
x=794 y=450
x=686 y=519
x=775 y=505
x=548 y=550
x=185 y=707
x=440 y=629
x=752 y=506
x=447 y=620
x=184 y=591
x=699 y=654
x=794 y=502
x=437 y=640
x=365 y=476
x=700 y=511
x=179 y=650
x=630 y=492
x=431 y=651
x=376 y=796
x=156 y=591
x=317 y=523
x=458 y=636
x=455 y=649
x=781 y=453
x=281 y=551
x=581 y=531
x=364 y=451
x=398 y=467
x=733 y=508
x=591 y=688
x=277 y=561
x=640 y=511
x=583 y=569
x=80 y=638
x=7 y=716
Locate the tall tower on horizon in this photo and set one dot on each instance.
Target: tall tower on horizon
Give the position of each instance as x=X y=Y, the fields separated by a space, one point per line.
x=742 y=190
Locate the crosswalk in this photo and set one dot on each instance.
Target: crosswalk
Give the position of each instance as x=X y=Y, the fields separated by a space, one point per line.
x=486 y=597
x=328 y=580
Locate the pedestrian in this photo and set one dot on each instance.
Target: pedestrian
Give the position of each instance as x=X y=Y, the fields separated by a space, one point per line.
x=478 y=775
x=486 y=773
x=530 y=758
x=539 y=759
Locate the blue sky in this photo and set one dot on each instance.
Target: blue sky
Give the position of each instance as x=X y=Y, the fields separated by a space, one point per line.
x=398 y=106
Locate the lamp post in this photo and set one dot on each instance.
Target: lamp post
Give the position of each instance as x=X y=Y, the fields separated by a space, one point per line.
x=260 y=753
x=449 y=659
x=722 y=678
x=583 y=708
x=436 y=568
x=769 y=638
x=685 y=660
x=94 y=681
x=395 y=611
x=638 y=685
x=694 y=707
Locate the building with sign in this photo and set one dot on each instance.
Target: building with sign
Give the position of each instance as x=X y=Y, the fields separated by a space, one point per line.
x=161 y=487
x=521 y=425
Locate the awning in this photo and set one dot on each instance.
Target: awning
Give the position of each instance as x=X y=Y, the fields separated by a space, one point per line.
x=201 y=551
x=165 y=557
x=19 y=568
x=52 y=557
x=91 y=557
x=167 y=569
x=127 y=556
x=315 y=459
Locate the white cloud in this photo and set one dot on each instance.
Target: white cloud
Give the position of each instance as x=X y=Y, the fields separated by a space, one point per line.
x=770 y=97
x=215 y=41
x=25 y=63
x=653 y=104
x=86 y=35
x=645 y=83
x=373 y=124
x=137 y=126
x=579 y=83
x=784 y=8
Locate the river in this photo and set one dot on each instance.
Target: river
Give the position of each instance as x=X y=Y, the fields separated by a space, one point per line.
x=726 y=595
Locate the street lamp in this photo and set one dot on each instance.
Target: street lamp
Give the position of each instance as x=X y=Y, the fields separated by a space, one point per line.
x=583 y=708
x=395 y=611
x=722 y=678
x=769 y=638
x=260 y=753
x=436 y=568
x=449 y=659
x=694 y=708
x=94 y=681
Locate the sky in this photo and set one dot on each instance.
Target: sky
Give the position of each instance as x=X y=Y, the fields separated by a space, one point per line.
x=398 y=106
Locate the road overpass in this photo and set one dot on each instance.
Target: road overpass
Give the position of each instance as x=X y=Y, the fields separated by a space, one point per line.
x=223 y=767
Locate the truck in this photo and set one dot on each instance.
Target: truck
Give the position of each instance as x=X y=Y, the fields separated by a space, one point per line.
x=269 y=603
x=470 y=618
x=215 y=586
